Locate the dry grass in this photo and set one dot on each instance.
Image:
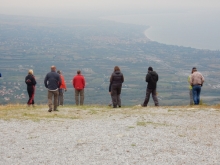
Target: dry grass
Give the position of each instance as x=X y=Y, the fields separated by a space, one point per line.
x=21 y=111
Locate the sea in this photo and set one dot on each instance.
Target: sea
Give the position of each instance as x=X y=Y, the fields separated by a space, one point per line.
x=189 y=28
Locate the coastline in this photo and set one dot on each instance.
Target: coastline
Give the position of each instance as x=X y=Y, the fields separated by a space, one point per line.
x=178 y=29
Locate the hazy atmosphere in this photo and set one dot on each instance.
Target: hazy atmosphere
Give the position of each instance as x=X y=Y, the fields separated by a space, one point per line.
x=95 y=36
x=183 y=23
x=65 y=7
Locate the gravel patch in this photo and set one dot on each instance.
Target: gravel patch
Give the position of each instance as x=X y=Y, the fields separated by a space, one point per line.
x=157 y=136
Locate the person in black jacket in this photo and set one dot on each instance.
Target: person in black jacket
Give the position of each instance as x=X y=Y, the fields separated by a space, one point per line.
x=31 y=82
x=116 y=81
x=52 y=82
x=151 y=79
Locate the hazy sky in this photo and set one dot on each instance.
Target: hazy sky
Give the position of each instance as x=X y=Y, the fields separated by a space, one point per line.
x=64 y=7
x=193 y=23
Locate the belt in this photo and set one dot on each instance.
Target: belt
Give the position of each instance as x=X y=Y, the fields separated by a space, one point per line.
x=197 y=84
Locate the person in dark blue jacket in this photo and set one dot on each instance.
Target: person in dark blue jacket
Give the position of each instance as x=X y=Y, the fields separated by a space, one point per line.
x=116 y=81
x=31 y=82
x=52 y=82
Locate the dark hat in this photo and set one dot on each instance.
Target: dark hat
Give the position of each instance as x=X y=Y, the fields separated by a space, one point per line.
x=194 y=68
x=150 y=68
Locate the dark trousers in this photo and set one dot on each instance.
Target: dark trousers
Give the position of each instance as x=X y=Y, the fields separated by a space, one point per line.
x=154 y=96
x=115 y=94
x=31 y=91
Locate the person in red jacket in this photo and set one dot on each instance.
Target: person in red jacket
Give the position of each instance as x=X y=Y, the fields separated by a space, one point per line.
x=79 y=85
x=61 y=89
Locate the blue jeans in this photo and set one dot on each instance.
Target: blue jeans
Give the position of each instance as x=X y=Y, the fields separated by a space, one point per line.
x=196 y=94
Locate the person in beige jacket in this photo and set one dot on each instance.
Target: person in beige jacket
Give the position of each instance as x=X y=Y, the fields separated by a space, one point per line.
x=196 y=81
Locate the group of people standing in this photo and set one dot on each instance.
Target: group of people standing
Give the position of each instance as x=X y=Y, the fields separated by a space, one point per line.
x=117 y=79
x=196 y=81
x=55 y=83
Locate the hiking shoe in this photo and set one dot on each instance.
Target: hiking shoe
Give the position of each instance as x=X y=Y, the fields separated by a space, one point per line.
x=143 y=105
x=50 y=110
